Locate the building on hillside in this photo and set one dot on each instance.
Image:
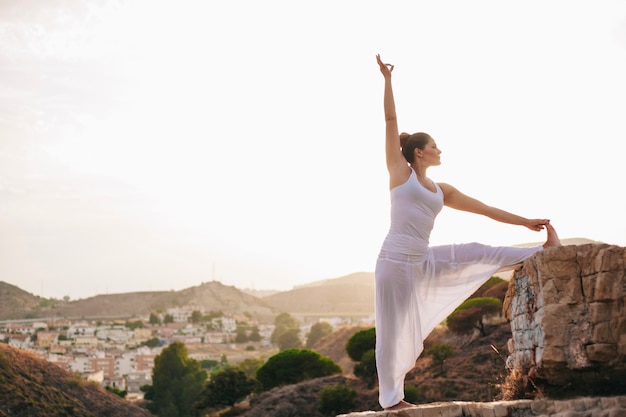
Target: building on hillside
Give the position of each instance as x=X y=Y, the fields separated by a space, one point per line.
x=137 y=379
x=40 y=325
x=145 y=362
x=45 y=339
x=106 y=365
x=20 y=341
x=142 y=335
x=118 y=382
x=117 y=335
x=97 y=377
x=81 y=328
x=60 y=361
x=86 y=342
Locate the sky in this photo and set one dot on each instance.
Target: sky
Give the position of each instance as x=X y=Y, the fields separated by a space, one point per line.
x=150 y=145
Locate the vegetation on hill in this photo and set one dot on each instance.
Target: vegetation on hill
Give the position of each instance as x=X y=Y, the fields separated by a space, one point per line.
x=33 y=387
x=18 y=304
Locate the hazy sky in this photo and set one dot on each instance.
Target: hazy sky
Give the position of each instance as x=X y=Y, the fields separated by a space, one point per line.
x=155 y=145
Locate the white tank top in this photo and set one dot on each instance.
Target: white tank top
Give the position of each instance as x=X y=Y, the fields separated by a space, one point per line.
x=413 y=212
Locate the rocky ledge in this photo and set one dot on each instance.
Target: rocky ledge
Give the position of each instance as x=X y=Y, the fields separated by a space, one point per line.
x=577 y=407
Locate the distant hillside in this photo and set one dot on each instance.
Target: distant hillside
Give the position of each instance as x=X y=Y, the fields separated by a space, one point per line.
x=211 y=296
x=33 y=387
x=17 y=303
x=352 y=295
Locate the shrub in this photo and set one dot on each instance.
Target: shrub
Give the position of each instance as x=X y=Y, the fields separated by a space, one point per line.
x=440 y=352
x=336 y=399
x=469 y=315
x=294 y=365
x=413 y=394
x=366 y=368
x=361 y=342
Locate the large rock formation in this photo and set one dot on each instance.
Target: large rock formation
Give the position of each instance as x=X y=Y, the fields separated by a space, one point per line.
x=567 y=311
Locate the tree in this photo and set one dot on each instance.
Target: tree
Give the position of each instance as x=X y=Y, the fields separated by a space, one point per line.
x=241 y=336
x=250 y=365
x=225 y=388
x=440 y=352
x=151 y=343
x=196 y=317
x=168 y=319
x=294 y=365
x=154 y=319
x=361 y=342
x=282 y=323
x=470 y=315
x=366 y=367
x=336 y=399
x=255 y=335
x=177 y=381
x=318 y=330
x=290 y=339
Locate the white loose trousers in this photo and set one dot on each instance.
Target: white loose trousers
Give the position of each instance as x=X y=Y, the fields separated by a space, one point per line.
x=416 y=292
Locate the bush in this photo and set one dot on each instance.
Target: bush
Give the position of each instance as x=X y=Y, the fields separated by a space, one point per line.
x=361 y=342
x=336 y=399
x=469 y=315
x=225 y=388
x=366 y=368
x=440 y=352
x=294 y=365
x=413 y=394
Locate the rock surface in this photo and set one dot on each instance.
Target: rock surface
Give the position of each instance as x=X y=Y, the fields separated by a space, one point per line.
x=567 y=311
x=578 y=407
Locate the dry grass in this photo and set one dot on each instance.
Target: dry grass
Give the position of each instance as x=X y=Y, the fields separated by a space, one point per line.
x=32 y=387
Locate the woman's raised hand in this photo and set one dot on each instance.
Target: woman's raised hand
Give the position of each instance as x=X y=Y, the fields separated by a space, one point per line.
x=384 y=68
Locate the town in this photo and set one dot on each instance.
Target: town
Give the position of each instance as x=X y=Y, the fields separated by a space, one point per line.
x=120 y=354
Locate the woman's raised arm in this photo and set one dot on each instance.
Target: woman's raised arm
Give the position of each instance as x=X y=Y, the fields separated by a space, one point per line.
x=396 y=164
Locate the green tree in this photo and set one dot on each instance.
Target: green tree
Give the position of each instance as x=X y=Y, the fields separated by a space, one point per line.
x=177 y=381
x=255 y=335
x=318 y=330
x=117 y=391
x=225 y=388
x=241 y=336
x=471 y=314
x=151 y=343
x=168 y=318
x=132 y=325
x=440 y=352
x=154 y=319
x=250 y=365
x=290 y=339
x=336 y=399
x=361 y=342
x=282 y=323
x=196 y=317
x=365 y=369
x=294 y=365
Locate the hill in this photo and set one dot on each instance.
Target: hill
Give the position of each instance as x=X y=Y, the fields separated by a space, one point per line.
x=348 y=296
x=16 y=303
x=32 y=387
x=210 y=296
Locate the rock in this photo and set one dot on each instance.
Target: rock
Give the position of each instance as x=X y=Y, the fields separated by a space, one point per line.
x=568 y=320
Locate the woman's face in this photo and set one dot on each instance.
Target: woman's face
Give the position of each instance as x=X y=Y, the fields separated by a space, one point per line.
x=431 y=154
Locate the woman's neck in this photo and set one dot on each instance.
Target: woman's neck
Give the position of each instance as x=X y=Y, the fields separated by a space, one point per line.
x=420 y=171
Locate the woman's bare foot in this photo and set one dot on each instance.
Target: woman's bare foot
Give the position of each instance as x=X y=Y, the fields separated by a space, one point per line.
x=400 y=406
x=553 y=238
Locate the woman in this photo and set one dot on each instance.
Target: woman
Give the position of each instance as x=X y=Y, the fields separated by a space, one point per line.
x=418 y=286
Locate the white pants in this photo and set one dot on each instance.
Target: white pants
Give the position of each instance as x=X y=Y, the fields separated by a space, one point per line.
x=414 y=293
